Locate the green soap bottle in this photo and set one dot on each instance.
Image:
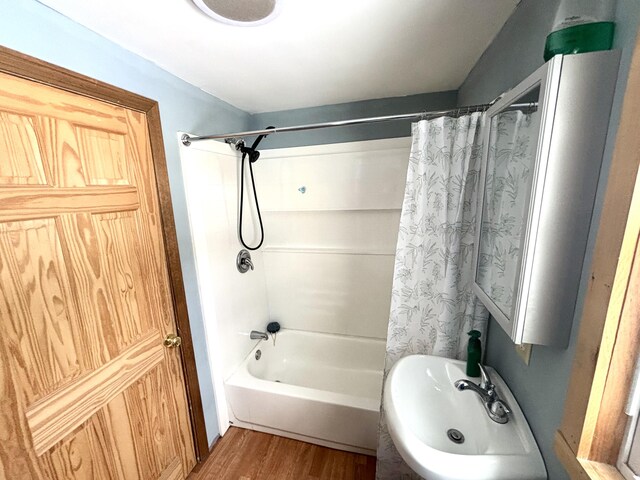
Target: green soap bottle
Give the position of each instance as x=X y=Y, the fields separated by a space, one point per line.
x=474 y=353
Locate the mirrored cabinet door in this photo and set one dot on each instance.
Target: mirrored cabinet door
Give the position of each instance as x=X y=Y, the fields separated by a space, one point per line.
x=543 y=146
x=512 y=143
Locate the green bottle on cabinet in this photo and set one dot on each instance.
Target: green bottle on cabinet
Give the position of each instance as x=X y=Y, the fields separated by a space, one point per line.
x=474 y=353
x=581 y=26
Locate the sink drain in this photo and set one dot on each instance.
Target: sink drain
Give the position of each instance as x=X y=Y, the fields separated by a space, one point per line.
x=455 y=436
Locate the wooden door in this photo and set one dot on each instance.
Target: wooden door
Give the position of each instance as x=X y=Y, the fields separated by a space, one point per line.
x=87 y=389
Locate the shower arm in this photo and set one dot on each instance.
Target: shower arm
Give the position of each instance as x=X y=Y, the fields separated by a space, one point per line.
x=234 y=138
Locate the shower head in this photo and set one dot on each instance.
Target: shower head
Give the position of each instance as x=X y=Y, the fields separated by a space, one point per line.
x=252 y=151
x=254 y=155
x=241 y=12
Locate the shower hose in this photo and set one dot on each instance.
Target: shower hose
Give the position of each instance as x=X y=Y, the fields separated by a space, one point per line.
x=253 y=155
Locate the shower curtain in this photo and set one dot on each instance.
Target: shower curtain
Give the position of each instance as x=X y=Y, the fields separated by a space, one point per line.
x=432 y=303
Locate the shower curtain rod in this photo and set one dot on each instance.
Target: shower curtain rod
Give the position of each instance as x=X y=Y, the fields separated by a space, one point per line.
x=233 y=137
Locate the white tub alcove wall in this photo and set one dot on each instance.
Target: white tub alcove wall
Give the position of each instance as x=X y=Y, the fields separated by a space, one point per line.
x=331 y=215
x=232 y=304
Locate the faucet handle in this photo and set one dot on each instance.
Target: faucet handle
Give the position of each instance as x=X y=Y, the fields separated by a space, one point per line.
x=499 y=408
x=485 y=383
x=243 y=261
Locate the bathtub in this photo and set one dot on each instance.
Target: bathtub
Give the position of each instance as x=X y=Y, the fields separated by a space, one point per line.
x=316 y=387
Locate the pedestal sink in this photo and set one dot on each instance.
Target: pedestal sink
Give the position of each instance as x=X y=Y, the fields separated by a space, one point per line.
x=428 y=417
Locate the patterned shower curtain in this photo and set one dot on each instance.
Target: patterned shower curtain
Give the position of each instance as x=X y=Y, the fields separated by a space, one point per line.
x=432 y=304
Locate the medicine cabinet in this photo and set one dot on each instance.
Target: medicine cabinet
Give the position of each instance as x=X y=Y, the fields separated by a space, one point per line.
x=543 y=147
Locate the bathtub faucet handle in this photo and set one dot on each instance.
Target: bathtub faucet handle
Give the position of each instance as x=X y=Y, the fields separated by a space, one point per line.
x=243 y=261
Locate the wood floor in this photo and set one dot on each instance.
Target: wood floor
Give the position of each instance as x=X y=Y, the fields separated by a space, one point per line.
x=247 y=455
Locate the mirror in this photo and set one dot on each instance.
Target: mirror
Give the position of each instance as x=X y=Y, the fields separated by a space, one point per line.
x=513 y=138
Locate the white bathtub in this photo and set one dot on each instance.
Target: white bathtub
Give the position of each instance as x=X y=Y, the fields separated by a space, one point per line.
x=316 y=387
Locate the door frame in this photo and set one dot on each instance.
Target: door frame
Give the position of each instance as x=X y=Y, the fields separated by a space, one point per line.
x=31 y=68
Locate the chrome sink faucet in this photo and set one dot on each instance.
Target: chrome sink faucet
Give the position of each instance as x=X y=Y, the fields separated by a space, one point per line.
x=496 y=408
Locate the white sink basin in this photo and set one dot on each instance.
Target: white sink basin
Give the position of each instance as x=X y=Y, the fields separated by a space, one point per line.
x=421 y=405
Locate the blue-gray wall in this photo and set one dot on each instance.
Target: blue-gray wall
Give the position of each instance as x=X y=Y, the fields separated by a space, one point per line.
x=516 y=52
x=31 y=28
x=347 y=111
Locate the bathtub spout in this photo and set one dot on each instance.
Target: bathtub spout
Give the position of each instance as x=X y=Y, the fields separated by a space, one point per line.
x=255 y=335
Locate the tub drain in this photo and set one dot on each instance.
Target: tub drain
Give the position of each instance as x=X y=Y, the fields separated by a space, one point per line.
x=455 y=436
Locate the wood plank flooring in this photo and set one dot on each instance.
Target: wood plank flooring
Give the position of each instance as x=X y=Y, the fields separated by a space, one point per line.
x=248 y=455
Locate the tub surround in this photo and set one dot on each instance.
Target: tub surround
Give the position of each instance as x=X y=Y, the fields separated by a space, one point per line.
x=331 y=216
x=233 y=304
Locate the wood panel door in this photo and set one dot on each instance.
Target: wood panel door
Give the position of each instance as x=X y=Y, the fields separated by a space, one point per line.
x=87 y=389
